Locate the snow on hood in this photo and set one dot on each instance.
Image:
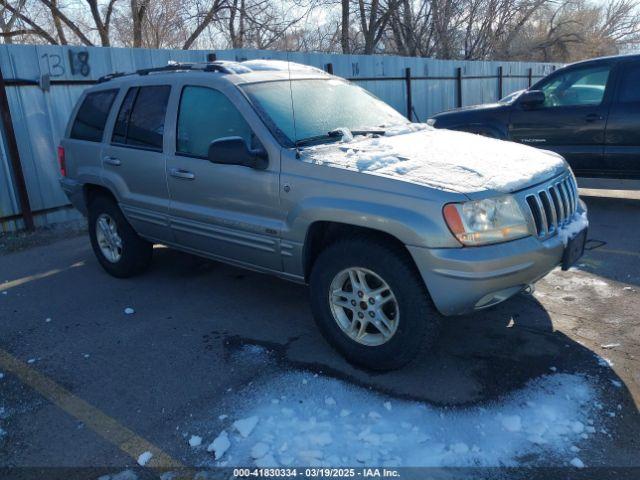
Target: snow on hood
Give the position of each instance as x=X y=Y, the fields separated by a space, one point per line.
x=441 y=159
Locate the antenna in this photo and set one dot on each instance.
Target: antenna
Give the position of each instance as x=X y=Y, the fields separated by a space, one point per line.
x=293 y=110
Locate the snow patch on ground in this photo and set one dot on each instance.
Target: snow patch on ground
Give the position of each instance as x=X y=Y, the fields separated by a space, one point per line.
x=220 y=445
x=442 y=159
x=545 y=421
x=575 y=281
x=246 y=425
x=124 y=475
x=144 y=458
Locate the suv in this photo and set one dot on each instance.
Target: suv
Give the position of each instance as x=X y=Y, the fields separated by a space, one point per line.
x=589 y=112
x=284 y=169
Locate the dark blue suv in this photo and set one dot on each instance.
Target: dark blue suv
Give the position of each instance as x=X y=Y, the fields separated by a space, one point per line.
x=589 y=112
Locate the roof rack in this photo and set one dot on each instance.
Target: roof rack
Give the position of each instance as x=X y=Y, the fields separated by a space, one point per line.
x=217 y=66
x=106 y=78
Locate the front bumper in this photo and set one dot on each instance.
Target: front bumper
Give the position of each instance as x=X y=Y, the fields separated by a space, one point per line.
x=461 y=280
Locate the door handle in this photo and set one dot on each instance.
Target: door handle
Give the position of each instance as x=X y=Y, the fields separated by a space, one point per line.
x=112 y=161
x=183 y=174
x=593 y=117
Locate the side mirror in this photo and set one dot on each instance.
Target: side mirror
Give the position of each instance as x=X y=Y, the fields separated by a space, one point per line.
x=531 y=98
x=234 y=151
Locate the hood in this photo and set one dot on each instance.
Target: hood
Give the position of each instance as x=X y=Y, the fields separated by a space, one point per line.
x=441 y=159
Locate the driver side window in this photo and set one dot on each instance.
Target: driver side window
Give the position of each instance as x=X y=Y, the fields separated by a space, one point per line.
x=583 y=86
x=206 y=115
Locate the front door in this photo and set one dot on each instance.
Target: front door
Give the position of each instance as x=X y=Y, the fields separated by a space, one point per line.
x=225 y=211
x=622 y=138
x=572 y=119
x=134 y=163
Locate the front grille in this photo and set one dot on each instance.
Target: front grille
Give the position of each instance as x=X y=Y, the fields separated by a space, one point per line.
x=553 y=206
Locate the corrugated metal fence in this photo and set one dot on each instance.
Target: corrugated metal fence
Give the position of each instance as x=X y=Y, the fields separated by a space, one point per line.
x=42 y=84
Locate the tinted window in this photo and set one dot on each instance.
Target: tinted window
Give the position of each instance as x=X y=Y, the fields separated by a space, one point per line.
x=140 y=121
x=583 y=86
x=630 y=85
x=92 y=116
x=120 y=127
x=206 y=115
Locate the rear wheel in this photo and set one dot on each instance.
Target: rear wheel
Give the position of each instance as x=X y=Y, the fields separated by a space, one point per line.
x=371 y=304
x=119 y=249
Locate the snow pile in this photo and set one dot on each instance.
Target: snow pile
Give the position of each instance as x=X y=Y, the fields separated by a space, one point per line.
x=576 y=224
x=442 y=159
x=326 y=422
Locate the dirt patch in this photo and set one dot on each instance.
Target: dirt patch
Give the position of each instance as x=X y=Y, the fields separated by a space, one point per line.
x=16 y=241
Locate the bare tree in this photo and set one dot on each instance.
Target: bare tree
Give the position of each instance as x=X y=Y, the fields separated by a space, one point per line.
x=138 y=13
x=552 y=30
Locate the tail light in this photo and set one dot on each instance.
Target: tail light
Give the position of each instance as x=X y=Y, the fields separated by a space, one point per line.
x=61 y=161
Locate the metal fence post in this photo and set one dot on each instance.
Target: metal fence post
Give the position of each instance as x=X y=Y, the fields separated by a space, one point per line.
x=14 y=157
x=500 y=77
x=407 y=80
x=329 y=68
x=530 y=76
x=459 y=87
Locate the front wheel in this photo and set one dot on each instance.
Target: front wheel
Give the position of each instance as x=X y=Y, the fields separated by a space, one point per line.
x=371 y=304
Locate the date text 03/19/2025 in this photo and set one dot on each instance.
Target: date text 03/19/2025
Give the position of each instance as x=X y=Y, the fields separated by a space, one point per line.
x=315 y=472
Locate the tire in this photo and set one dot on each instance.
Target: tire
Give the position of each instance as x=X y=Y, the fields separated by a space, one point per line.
x=134 y=254
x=413 y=318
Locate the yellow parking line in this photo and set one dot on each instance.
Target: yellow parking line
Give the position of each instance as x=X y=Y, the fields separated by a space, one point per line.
x=105 y=426
x=37 y=276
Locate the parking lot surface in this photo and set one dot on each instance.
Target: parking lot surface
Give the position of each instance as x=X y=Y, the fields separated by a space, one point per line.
x=549 y=379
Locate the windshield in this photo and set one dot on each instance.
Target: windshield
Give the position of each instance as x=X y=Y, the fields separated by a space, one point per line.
x=320 y=106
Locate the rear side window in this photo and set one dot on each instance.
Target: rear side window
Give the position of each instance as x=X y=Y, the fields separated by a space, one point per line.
x=140 y=121
x=629 y=85
x=120 y=127
x=92 y=116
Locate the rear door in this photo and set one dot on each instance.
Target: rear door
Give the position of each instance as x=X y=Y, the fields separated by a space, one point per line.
x=83 y=145
x=227 y=211
x=573 y=117
x=622 y=138
x=134 y=165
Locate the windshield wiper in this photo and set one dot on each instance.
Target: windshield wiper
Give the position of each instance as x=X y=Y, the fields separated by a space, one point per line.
x=334 y=134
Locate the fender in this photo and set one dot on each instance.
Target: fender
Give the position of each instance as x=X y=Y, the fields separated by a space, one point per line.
x=407 y=225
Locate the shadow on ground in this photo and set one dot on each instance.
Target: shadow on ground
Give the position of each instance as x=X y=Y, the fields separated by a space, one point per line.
x=172 y=361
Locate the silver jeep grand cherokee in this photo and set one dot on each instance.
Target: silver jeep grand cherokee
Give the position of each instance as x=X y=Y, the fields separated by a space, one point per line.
x=284 y=169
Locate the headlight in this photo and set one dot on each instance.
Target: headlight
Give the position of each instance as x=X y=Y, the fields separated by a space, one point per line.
x=491 y=220
x=431 y=122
